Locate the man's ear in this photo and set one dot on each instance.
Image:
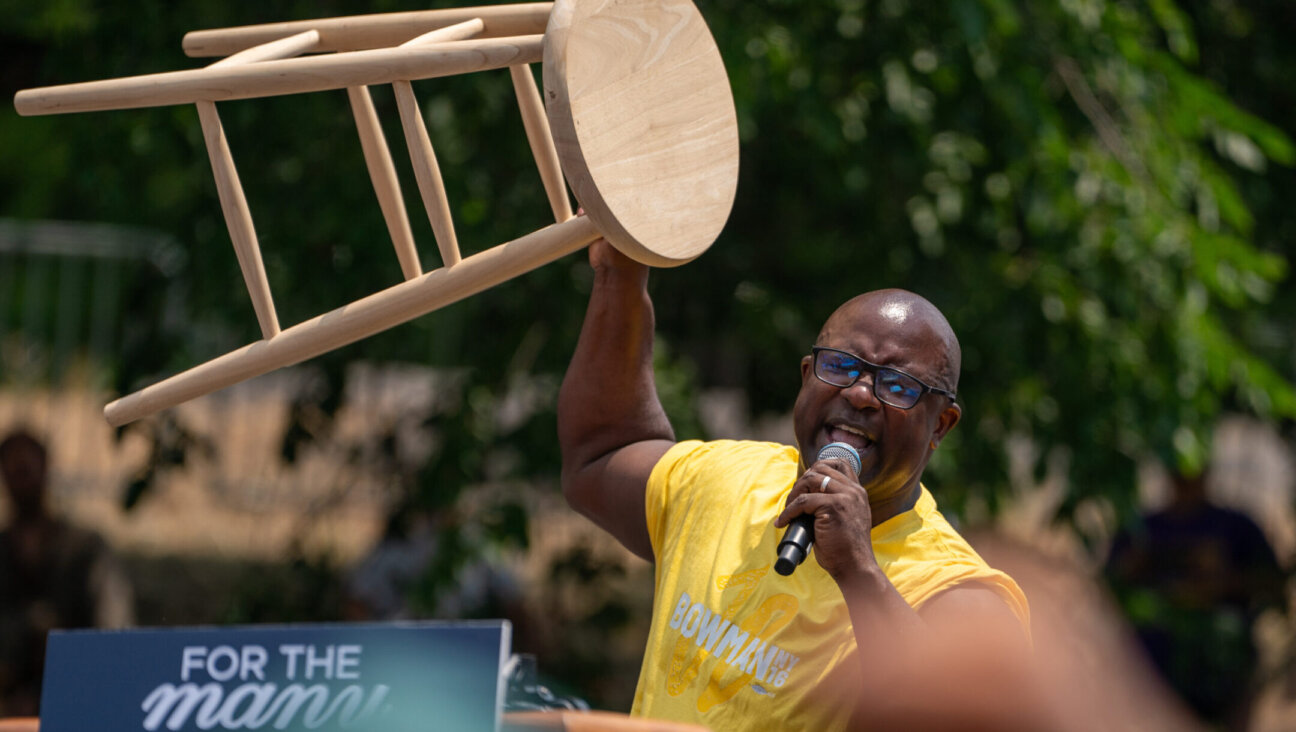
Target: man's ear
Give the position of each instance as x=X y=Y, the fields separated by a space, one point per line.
x=945 y=422
x=807 y=363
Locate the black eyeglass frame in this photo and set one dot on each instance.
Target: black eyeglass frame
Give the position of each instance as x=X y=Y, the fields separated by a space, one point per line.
x=874 y=369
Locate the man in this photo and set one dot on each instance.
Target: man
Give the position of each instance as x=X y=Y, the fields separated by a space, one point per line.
x=732 y=644
x=1194 y=577
x=52 y=575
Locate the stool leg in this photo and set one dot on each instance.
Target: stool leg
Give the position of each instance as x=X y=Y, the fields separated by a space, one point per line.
x=239 y=219
x=382 y=171
x=542 y=144
x=362 y=318
x=427 y=172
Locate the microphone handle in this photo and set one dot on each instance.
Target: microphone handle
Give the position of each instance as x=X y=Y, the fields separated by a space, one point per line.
x=799 y=536
x=796 y=543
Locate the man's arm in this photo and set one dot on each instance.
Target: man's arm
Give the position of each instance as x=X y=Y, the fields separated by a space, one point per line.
x=894 y=640
x=969 y=669
x=962 y=662
x=612 y=429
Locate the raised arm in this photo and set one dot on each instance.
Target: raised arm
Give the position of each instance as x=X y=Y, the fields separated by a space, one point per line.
x=611 y=426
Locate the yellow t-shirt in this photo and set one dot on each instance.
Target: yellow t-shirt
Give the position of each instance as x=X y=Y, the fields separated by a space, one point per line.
x=736 y=646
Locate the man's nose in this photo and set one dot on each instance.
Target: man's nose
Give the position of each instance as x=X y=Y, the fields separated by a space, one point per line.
x=860 y=394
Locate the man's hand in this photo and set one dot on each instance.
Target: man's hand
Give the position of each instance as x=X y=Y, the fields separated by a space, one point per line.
x=604 y=257
x=843 y=521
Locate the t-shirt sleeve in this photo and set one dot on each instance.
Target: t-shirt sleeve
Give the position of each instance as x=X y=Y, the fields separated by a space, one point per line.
x=698 y=478
x=670 y=480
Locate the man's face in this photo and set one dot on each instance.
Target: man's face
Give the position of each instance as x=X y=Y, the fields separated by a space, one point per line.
x=894 y=444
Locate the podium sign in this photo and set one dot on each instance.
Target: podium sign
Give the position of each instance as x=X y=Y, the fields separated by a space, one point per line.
x=388 y=678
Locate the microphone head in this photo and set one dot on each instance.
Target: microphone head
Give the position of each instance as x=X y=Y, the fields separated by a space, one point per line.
x=841 y=451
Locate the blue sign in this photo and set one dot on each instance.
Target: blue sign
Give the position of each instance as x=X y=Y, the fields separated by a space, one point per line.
x=389 y=678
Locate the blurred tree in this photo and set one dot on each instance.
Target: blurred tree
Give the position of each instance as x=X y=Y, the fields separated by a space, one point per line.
x=1239 y=53
x=1054 y=176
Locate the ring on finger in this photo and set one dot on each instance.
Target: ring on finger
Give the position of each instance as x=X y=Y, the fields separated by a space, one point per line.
x=823 y=485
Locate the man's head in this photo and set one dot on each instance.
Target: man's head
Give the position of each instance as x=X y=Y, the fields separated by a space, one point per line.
x=901 y=331
x=1188 y=489
x=22 y=464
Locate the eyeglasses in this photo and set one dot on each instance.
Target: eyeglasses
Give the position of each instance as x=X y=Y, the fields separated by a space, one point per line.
x=896 y=388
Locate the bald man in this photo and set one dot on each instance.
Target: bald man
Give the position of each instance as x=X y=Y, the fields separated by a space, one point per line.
x=734 y=645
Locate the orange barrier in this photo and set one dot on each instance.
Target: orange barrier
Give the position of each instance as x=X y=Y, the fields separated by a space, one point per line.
x=569 y=721
x=566 y=721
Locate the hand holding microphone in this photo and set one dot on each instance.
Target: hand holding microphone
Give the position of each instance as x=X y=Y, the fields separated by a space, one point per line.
x=799 y=537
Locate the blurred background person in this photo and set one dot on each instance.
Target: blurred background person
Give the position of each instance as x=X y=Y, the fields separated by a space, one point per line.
x=1193 y=577
x=52 y=575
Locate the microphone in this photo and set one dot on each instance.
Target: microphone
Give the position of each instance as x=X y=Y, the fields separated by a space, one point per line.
x=799 y=537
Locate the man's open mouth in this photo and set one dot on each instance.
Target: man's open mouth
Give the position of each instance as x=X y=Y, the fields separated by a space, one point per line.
x=856 y=437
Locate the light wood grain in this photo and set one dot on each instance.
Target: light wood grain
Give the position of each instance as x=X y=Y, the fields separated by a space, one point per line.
x=458 y=32
x=293 y=45
x=379 y=30
x=287 y=76
x=637 y=114
x=427 y=172
x=378 y=160
x=362 y=318
x=643 y=118
x=382 y=172
x=238 y=219
x=542 y=145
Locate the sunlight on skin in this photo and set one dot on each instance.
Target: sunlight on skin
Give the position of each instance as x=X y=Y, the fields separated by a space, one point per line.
x=897 y=311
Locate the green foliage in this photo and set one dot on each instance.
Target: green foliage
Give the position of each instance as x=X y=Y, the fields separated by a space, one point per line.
x=1057 y=178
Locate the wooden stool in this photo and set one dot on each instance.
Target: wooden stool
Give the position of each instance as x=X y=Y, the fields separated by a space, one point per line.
x=637 y=114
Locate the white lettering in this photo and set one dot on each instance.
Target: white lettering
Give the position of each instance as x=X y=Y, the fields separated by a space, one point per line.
x=222 y=663
x=324 y=662
x=733 y=638
x=678 y=616
x=294 y=696
x=259 y=696
x=191 y=658
x=319 y=710
x=376 y=698
x=347 y=658
x=253 y=662
x=763 y=662
x=289 y=692
x=252 y=706
x=213 y=663
x=292 y=652
x=693 y=619
x=746 y=661
x=351 y=696
x=710 y=632
x=180 y=702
